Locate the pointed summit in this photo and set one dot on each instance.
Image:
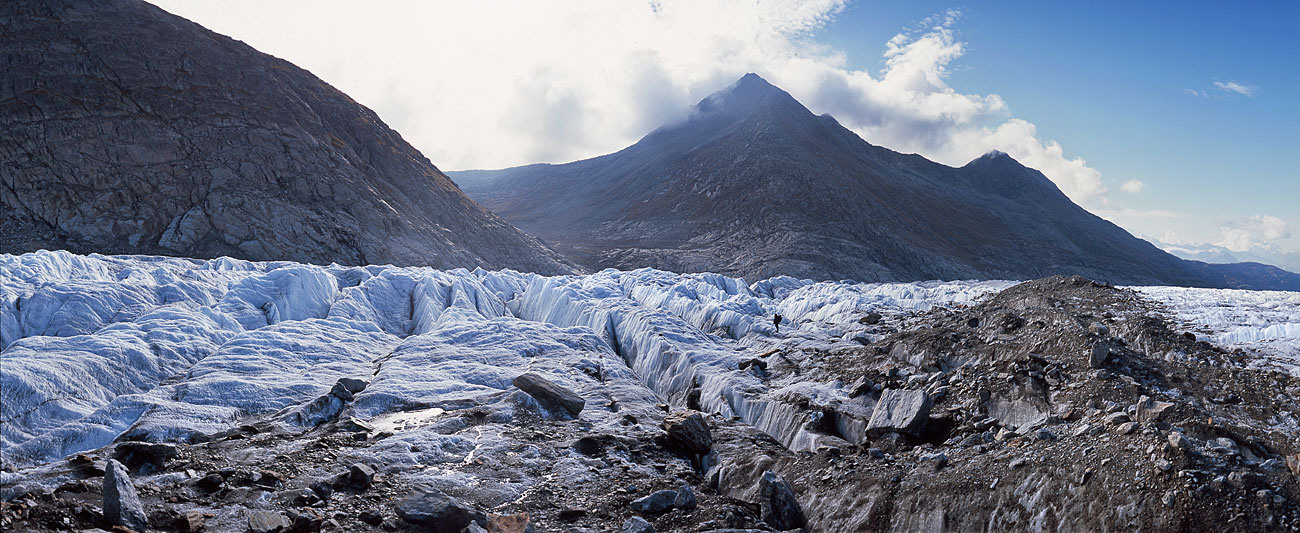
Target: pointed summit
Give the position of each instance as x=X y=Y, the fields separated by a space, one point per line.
x=993 y=157
x=747 y=95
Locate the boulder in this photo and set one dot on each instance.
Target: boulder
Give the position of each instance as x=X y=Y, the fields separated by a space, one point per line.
x=210 y=482
x=1149 y=410
x=190 y=522
x=637 y=524
x=341 y=392
x=360 y=476
x=549 y=394
x=352 y=385
x=860 y=386
x=778 y=506
x=685 y=498
x=688 y=431
x=121 y=503
x=267 y=522
x=144 y=457
x=372 y=517
x=436 y=511
x=1098 y=356
x=657 y=502
x=511 y=523
x=903 y=411
x=305 y=520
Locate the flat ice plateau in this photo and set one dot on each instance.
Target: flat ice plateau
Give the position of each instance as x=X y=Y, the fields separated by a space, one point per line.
x=96 y=347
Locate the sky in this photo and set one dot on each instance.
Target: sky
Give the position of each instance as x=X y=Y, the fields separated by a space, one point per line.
x=1179 y=121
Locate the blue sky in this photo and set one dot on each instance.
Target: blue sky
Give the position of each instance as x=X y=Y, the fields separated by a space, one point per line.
x=1110 y=81
x=1127 y=106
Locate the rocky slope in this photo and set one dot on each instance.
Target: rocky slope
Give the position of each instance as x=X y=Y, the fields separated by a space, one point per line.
x=755 y=185
x=130 y=130
x=306 y=398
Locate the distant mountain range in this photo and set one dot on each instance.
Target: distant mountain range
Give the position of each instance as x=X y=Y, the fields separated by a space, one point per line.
x=1213 y=253
x=755 y=185
x=130 y=130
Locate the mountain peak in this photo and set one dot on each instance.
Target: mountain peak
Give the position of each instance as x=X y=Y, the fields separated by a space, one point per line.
x=748 y=93
x=753 y=80
x=994 y=157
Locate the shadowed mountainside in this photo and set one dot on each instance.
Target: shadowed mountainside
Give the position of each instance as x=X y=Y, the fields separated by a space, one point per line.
x=131 y=130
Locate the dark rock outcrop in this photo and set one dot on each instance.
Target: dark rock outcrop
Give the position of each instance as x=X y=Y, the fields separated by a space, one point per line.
x=131 y=130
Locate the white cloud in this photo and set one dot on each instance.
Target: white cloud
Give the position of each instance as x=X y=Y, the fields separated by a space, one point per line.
x=1133 y=186
x=1243 y=234
x=494 y=84
x=1225 y=89
x=1234 y=87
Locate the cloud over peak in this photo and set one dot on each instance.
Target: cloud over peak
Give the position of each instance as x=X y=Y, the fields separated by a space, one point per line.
x=490 y=85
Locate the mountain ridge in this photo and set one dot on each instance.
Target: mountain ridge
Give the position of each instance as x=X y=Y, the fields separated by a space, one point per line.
x=755 y=185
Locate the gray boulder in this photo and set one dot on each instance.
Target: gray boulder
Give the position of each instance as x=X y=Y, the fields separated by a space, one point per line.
x=657 y=502
x=1099 y=355
x=903 y=411
x=685 y=498
x=267 y=522
x=549 y=394
x=688 y=431
x=360 y=476
x=778 y=506
x=637 y=524
x=436 y=511
x=121 y=503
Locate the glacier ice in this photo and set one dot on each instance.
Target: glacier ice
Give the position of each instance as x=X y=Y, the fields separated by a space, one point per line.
x=98 y=348
x=1267 y=322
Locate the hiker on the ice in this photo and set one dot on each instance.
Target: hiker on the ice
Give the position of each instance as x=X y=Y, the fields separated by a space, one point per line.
x=776 y=321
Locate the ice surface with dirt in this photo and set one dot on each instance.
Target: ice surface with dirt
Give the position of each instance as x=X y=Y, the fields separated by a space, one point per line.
x=1265 y=322
x=98 y=348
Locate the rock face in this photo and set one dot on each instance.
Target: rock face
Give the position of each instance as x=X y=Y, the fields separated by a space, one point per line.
x=130 y=130
x=549 y=394
x=121 y=504
x=755 y=185
x=903 y=411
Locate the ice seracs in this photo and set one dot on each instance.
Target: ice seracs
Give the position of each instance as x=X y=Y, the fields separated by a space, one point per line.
x=98 y=348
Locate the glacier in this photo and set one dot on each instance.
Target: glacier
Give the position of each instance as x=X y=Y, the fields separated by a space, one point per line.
x=1265 y=322
x=102 y=348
